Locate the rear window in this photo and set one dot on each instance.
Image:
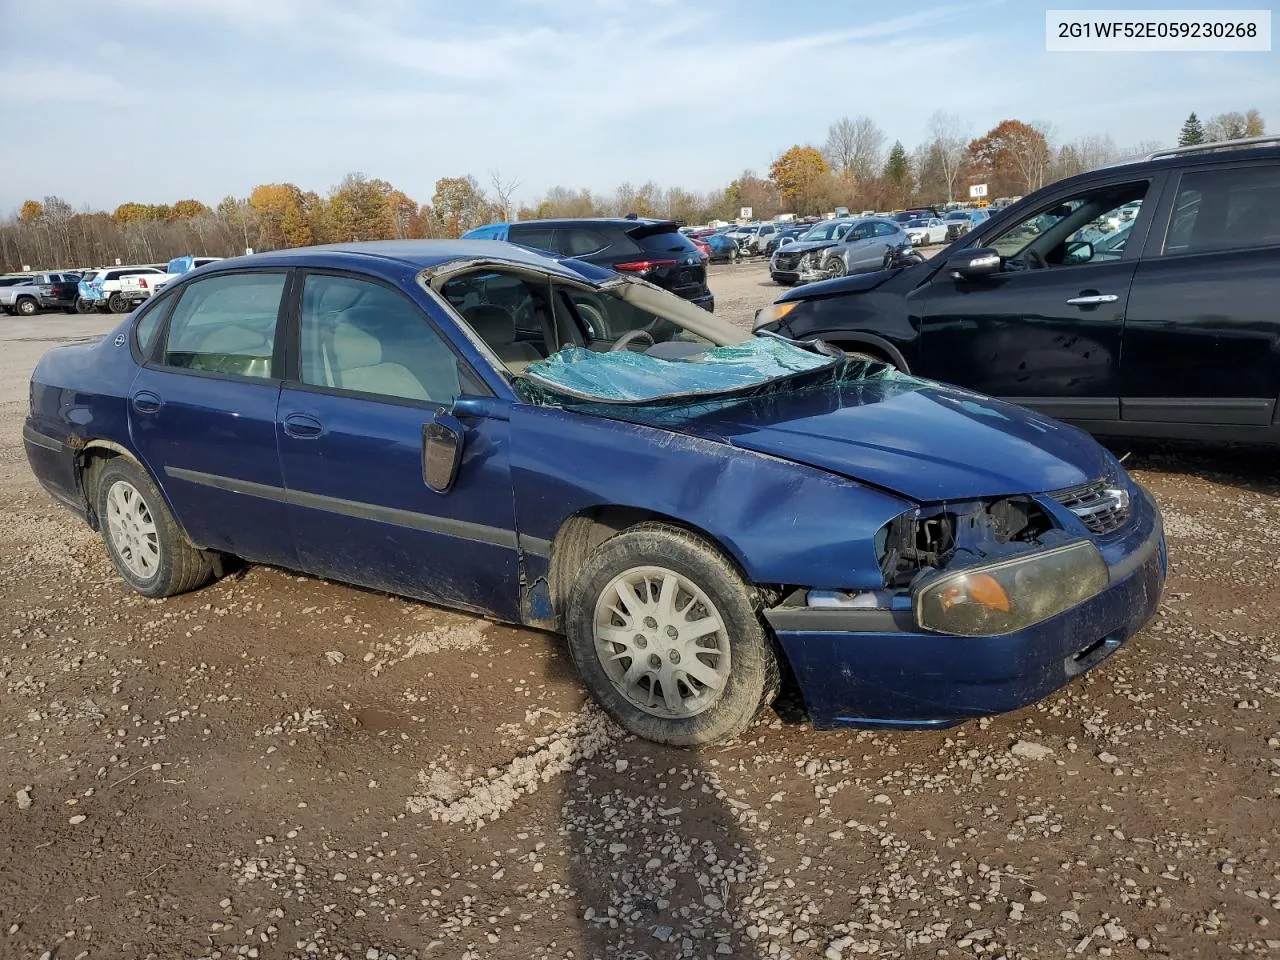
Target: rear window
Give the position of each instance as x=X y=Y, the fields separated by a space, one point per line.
x=668 y=243
x=580 y=242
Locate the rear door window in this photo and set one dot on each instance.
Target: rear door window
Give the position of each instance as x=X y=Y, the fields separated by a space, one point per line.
x=580 y=242
x=226 y=324
x=536 y=236
x=1235 y=208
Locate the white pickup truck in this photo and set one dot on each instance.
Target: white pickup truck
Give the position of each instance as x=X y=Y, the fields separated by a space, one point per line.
x=143 y=285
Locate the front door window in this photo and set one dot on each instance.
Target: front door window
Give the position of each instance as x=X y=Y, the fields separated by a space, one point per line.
x=1074 y=231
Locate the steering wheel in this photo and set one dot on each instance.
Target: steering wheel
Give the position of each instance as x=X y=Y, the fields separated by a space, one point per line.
x=1036 y=259
x=624 y=342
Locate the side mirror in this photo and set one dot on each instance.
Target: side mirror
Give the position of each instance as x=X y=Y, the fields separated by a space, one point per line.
x=441 y=451
x=975 y=262
x=1079 y=252
x=785 y=240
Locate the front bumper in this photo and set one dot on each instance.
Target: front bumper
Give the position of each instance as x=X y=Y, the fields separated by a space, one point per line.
x=876 y=668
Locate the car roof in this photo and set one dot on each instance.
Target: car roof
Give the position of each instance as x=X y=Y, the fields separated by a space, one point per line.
x=416 y=255
x=598 y=221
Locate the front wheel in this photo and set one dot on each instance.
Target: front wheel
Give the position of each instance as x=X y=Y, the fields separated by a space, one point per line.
x=26 y=307
x=666 y=637
x=834 y=267
x=142 y=538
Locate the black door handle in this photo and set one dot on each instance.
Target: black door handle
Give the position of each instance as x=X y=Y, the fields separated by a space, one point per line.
x=301 y=426
x=144 y=401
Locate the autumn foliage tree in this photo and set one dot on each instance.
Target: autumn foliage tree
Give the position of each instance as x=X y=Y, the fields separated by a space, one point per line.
x=1012 y=157
x=795 y=172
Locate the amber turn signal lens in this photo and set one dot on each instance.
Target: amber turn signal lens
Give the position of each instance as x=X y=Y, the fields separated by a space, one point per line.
x=981 y=588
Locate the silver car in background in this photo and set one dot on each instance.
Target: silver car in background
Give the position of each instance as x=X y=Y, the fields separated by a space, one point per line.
x=835 y=248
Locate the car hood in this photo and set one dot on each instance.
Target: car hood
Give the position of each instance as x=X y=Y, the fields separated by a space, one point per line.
x=912 y=437
x=805 y=246
x=854 y=283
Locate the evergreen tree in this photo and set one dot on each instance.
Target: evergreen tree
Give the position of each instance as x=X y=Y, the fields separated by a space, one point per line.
x=1192 y=132
x=897 y=170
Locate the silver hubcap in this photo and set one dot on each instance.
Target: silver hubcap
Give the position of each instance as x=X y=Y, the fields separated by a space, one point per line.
x=132 y=530
x=662 y=642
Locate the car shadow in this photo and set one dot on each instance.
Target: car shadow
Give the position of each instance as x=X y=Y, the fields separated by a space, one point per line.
x=657 y=859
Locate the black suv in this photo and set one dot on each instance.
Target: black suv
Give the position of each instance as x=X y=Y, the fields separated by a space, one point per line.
x=655 y=250
x=1141 y=299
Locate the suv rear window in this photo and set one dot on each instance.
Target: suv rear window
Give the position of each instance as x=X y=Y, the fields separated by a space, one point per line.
x=667 y=242
x=580 y=241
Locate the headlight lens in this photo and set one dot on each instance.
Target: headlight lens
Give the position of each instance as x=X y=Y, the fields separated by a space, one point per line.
x=1013 y=594
x=773 y=313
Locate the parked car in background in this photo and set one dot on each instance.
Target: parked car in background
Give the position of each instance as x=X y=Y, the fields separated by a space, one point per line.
x=926 y=231
x=1036 y=304
x=743 y=235
x=39 y=291
x=837 y=248
x=786 y=235
x=139 y=286
x=492 y=429
x=101 y=290
x=920 y=213
x=654 y=250
x=758 y=242
x=720 y=249
x=960 y=222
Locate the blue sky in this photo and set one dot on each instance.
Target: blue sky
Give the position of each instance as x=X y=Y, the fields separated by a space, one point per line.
x=179 y=98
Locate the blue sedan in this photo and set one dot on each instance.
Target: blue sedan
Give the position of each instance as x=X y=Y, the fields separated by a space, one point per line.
x=551 y=444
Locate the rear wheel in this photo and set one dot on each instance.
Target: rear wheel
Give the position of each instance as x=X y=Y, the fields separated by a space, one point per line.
x=667 y=639
x=116 y=303
x=83 y=306
x=142 y=538
x=26 y=307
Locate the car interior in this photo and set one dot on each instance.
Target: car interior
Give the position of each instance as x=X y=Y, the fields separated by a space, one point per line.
x=226 y=325
x=525 y=320
x=1062 y=234
x=361 y=336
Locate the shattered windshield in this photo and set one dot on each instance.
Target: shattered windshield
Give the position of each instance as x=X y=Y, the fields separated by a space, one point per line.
x=626 y=377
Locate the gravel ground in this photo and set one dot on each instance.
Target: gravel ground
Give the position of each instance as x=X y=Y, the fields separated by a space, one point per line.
x=277 y=766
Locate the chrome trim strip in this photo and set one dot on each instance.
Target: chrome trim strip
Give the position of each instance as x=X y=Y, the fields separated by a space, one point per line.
x=461 y=529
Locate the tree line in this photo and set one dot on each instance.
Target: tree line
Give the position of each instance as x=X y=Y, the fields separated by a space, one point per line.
x=854 y=167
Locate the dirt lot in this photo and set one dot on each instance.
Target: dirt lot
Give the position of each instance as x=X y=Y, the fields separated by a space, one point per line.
x=277 y=766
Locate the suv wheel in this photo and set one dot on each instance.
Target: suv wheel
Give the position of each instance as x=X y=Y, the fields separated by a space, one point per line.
x=666 y=637
x=26 y=307
x=83 y=305
x=116 y=303
x=834 y=267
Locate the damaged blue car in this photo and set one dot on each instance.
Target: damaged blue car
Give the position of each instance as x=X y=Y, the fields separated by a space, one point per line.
x=699 y=511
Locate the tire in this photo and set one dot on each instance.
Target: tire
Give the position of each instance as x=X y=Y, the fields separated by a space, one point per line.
x=26 y=307
x=83 y=306
x=739 y=656
x=834 y=267
x=143 y=540
x=116 y=303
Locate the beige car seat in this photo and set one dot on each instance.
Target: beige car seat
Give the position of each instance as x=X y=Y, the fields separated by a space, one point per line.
x=357 y=365
x=496 y=327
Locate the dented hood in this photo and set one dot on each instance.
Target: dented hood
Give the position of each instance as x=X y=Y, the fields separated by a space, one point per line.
x=917 y=439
